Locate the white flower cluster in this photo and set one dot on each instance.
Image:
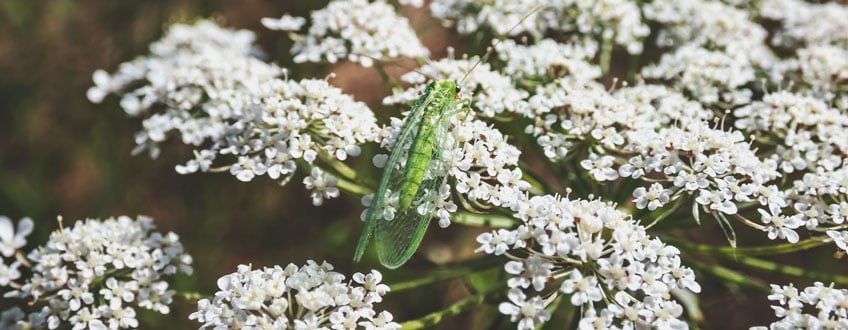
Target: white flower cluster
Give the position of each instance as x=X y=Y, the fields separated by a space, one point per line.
x=489 y=92
x=648 y=132
x=619 y=21
x=818 y=202
x=818 y=70
x=710 y=24
x=202 y=82
x=95 y=275
x=829 y=304
x=803 y=23
x=309 y=297
x=604 y=261
x=710 y=76
x=796 y=119
x=11 y=241
x=360 y=30
x=716 y=49
x=548 y=60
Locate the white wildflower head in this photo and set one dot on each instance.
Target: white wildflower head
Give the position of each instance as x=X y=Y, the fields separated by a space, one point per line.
x=323 y=186
x=489 y=92
x=311 y=296
x=712 y=77
x=597 y=256
x=712 y=24
x=358 y=30
x=233 y=108
x=803 y=23
x=619 y=21
x=97 y=274
x=12 y=239
x=814 y=307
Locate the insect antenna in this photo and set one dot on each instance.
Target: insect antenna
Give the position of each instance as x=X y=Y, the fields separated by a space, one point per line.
x=491 y=49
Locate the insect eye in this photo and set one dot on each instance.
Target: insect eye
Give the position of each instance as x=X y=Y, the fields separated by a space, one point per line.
x=458 y=89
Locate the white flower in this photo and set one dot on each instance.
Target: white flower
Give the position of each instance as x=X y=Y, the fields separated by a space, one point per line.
x=95 y=274
x=360 y=30
x=285 y=23
x=709 y=75
x=204 y=84
x=263 y=298
x=827 y=304
x=619 y=21
x=587 y=249
x=653 y=198
x=322 y=186
x=779 y=225
x=10 y=239
x=582 y=289
x=840 y=238
x=528 y=313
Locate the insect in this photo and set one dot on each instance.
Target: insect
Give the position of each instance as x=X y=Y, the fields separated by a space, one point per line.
x=406 y=198
x=405 y=201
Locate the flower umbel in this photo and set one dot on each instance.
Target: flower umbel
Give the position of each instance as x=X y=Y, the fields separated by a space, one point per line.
x=310 y=296
x=95 y=274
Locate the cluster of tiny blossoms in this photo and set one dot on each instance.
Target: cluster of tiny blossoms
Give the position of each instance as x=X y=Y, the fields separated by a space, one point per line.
x=489 y=92
x=604 y=261
x=829 y=304
x=92 y=275
x=375 y=31
x=202 y=82
x=308 y=297
x=618 y=21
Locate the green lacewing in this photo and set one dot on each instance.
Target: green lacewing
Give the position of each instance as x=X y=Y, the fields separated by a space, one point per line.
x=405 y=201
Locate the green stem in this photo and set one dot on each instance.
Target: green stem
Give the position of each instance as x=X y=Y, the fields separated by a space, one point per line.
x=606 y=55
x=746 y=251
x=351 y=187
x=484 y=220
x=729 y=276
x=667 y=212
x=385 y=75
x=192 y=296
x=537 y=187
x=348 y=180
x=792 y=270
x=436 y=317
x=467 y=268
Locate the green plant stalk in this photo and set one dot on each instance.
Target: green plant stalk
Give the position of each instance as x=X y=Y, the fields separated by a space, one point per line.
x=353 y=188
x=484 y=220
x=385 y=75
x=746 y=251
x=452 y=310
x=346 y=171
x=606 y=55
x=192 y=296
x=792 y=270
x=730 y=276
x=537 y=186
x=465 y=268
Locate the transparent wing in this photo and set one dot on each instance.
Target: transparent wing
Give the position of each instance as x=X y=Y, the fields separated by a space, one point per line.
x=397 y=240
x=381 y=204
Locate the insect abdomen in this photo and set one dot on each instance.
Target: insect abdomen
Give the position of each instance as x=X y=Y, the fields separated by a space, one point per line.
x=419 y=159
